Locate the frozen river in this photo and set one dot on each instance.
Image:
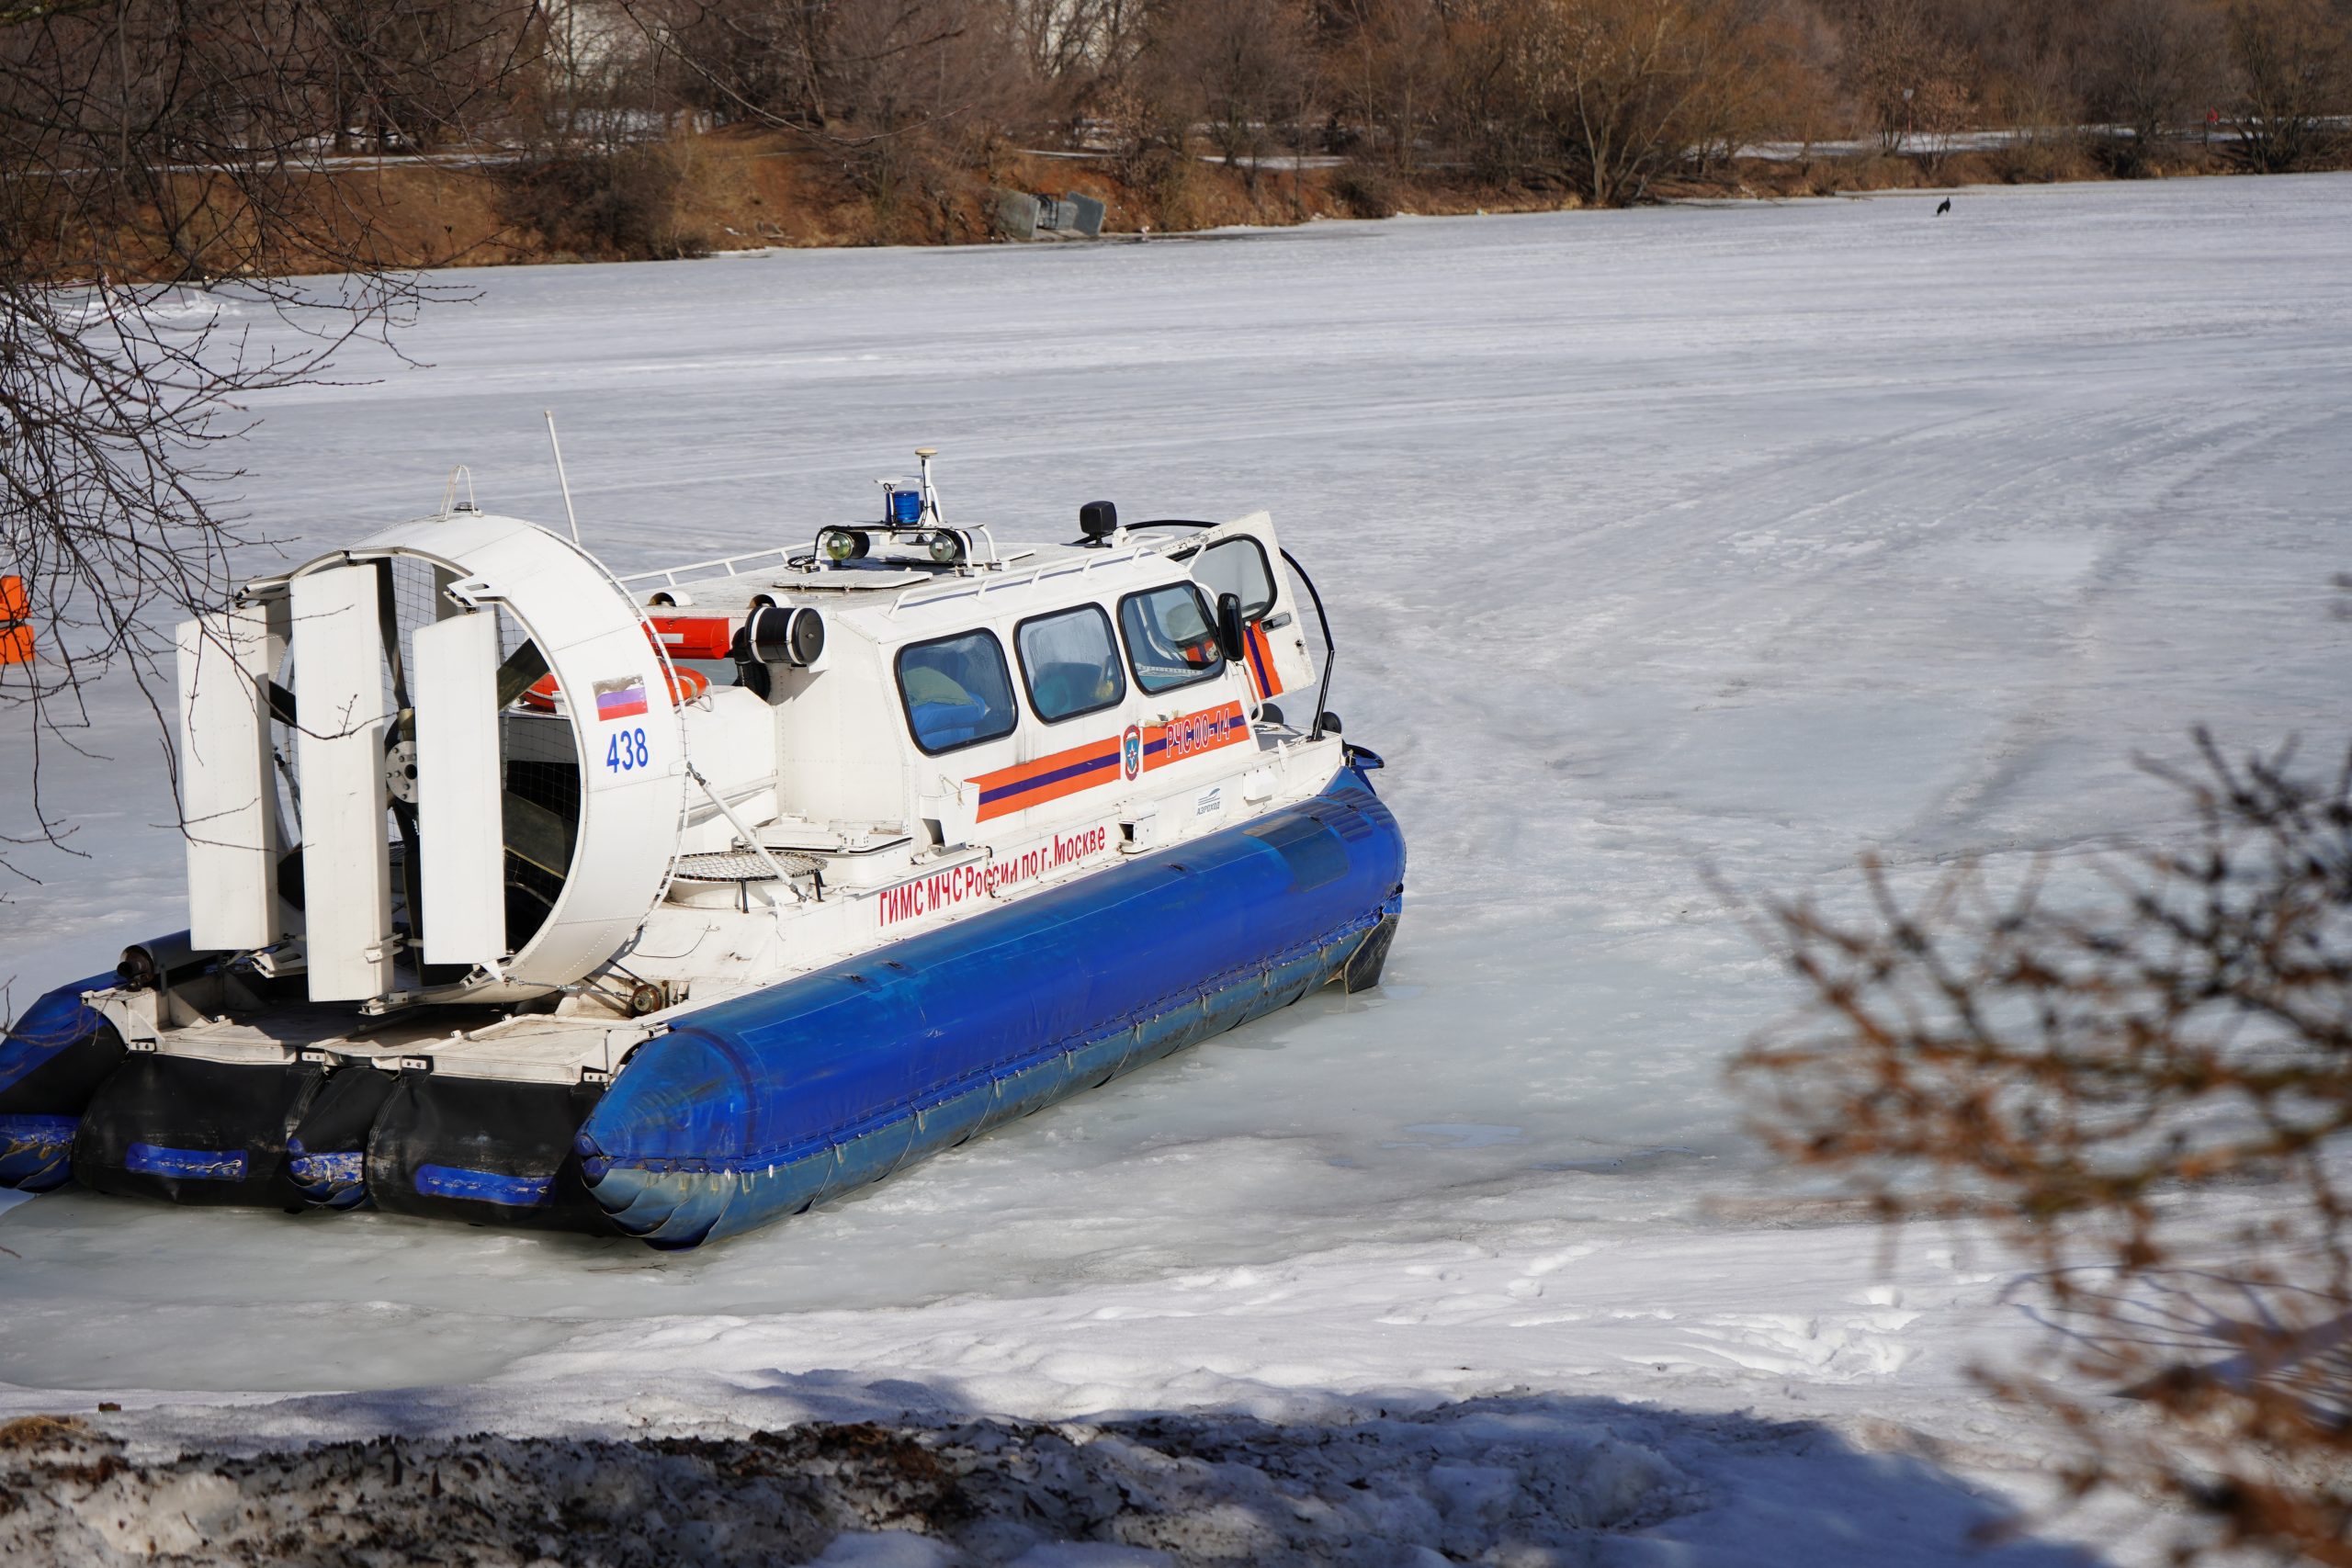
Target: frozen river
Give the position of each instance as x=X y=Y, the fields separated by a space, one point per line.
x=1740 y=538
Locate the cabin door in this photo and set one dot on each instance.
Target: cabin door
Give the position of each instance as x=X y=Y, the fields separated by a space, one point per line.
x=1245 y=559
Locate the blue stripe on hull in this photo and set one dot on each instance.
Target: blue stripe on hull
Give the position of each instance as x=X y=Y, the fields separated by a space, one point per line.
x=37 y=1152
x=1060 y=775
x=483 y=1186
x=187 y=1164
x=759 y=1107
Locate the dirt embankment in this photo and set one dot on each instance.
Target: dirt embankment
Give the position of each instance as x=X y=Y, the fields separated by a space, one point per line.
x=726 y=192
x=733 y=191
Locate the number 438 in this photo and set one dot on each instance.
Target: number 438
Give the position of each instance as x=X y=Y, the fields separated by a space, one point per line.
x=627 y=751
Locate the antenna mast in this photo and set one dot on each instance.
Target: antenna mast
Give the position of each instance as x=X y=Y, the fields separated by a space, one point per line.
x=572 y=517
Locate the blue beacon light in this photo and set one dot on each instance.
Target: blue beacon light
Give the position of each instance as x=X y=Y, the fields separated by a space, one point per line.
x=906 y=508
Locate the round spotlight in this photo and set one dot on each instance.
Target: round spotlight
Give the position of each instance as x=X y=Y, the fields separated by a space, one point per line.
x=794 y=637
x=806 y=638
x=842 y=543
x=137 y=971
x=946 y=548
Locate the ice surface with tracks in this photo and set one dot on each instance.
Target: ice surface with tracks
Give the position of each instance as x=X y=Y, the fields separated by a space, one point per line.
x=1692 y=539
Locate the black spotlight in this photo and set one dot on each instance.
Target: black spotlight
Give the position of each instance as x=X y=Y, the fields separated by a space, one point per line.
x=137 y=970
x=779 y=636
x=1098 y=520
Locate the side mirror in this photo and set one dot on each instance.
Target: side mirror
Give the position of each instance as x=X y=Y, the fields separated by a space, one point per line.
x=1229 y=628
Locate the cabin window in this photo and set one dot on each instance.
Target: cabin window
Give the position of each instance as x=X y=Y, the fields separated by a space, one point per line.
x=1237 y=566
x=1070 y=662
x=957 y=692
x=1171 y=641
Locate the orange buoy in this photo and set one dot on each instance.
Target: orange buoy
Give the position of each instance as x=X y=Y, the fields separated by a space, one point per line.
x=693 y=637
x=16 y=622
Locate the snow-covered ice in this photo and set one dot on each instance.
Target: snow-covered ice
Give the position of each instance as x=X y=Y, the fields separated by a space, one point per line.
x=1733 y=538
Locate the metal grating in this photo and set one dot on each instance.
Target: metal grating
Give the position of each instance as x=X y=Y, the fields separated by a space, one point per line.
x=737 y=865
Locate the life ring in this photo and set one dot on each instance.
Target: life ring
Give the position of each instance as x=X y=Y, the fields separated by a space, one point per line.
x=685 y=685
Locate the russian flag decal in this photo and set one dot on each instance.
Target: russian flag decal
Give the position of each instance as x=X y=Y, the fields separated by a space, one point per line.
x=620 y=699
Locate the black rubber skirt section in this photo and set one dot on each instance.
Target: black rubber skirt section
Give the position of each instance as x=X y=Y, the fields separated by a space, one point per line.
x=194 y=1132
x=63 y=1084
x=488 y=1152
x=1363 y=972
x=326 y=1155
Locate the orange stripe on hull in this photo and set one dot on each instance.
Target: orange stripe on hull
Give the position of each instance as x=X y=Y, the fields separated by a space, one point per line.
x=1064 y=774
x=1025 y=785
x=1040 y=794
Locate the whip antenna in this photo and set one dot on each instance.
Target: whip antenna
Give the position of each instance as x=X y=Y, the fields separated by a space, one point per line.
x=570 y=516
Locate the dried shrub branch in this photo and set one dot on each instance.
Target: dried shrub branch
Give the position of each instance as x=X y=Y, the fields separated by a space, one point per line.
x=2147 y=1089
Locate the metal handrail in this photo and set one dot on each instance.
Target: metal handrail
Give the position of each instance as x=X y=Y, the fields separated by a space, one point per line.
x=670 y=574
x=979 y=585
x=930 y=594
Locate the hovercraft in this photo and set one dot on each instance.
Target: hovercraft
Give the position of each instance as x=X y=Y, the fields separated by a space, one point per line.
x=670 y=905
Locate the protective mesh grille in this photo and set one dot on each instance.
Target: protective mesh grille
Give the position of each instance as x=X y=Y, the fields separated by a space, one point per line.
x=538 y=758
